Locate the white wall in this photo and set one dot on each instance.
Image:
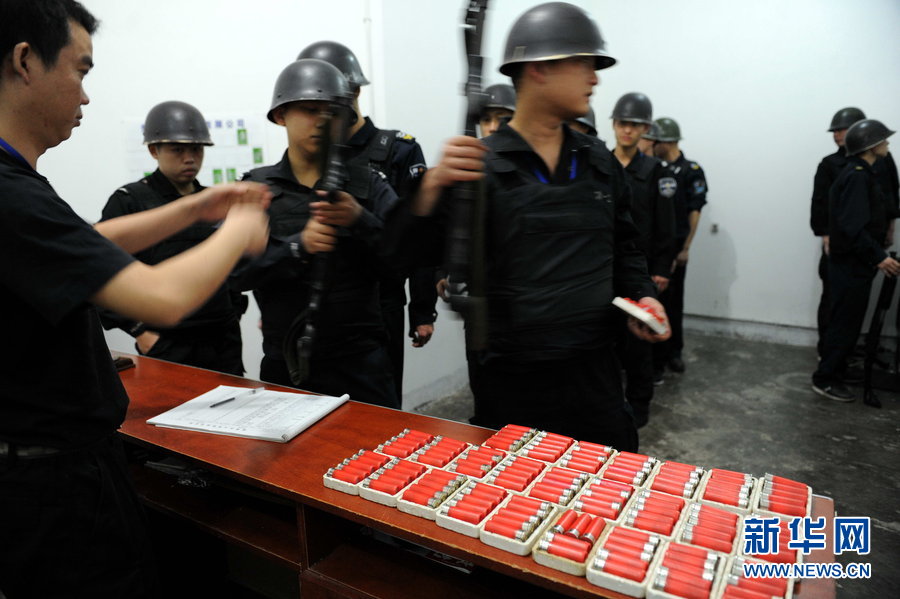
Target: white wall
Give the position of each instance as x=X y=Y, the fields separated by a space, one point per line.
x=753 y=85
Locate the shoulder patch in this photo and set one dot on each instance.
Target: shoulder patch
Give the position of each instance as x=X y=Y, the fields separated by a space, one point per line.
x=417 y=170
x=404 y=136
x=695 y=166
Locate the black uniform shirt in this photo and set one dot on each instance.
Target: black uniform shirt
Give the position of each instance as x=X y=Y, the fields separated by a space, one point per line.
x=690 y=195
x=652 y=209
x=349 y=320
x=399 y=158
x=857 y=214
x=60 y=388
x=151 y=192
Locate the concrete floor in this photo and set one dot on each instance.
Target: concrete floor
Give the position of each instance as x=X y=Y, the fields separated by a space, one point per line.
x=748 y=406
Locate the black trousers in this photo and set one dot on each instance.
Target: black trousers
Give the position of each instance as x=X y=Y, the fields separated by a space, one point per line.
x=824 y=302
x=71 y=525
x=851 y=282
x=672 y=300
x=580 y=397
x=636 y=356
x=395 y=326
x=216 y=349
x=366 y=376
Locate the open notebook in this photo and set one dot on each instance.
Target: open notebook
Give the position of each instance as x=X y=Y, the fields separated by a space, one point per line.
x=254 y=413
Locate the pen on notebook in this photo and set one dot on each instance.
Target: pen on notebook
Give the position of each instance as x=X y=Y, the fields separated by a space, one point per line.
x=233 y=397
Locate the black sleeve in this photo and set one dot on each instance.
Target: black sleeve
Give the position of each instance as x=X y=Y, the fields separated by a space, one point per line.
x=284 y=259
x=422 y=297
x=662 y=238
x=62 y=260
x=696 y=188
x=818 y=214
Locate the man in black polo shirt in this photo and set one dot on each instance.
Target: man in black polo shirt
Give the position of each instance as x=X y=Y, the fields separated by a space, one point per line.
x=70 y=522
x=175 y=134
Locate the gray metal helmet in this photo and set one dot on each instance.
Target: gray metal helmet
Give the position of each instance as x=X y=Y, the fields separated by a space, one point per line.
x=554 y=31
x=589 y=122
x=176 y=122
x=308 y=79
x=845 y=117
x=653 y=133
x=865 y=134
x=668 y=130
x=340 y=56
x=500 y=95
x=634 y=107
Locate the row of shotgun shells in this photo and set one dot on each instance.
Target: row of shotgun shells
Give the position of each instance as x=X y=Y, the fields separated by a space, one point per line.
x=548 y=447
x=784 y=496
x=519 y=518
x=627 y=553
x=631 y=468
x=558 y=485
x=515 y=473
x=686 y=571
x=711 y=527
x=729 y=488
x=573 y=535
x=654 y=511
x=604 y=498
x=477 y=461
x=676 y=478
x=511 y=437
x=393 y=476
x=739 y=587
x=405 y=444
x=358 y=466
x=474 y=503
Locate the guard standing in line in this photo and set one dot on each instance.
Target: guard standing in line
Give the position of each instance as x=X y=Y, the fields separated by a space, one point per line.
x=586 y=124
x=499 y=106
x=689 y=199
x=399 y=158
x=71 y=523
x=348 y=353
x=175 y=134
x=858 y=224
x=653 y=190
x=560 y=240
x=826 y=174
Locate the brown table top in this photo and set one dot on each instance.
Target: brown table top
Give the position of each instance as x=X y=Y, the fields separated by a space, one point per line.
x=294 y=470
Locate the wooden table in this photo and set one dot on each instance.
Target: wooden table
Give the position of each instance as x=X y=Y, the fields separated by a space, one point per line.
x=314 y=532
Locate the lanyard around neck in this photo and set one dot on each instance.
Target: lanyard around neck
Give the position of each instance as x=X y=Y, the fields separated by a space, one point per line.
x=573 y=170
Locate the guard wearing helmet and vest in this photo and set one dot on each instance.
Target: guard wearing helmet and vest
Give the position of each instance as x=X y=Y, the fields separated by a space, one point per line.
x=560 y=240
x=175 y=134
x=348 y=353
x=499 y=106
x=826 y=174
x=399 y=158
x=858 y=223
x=652 y=209
x=885 y=171
x=689 y=199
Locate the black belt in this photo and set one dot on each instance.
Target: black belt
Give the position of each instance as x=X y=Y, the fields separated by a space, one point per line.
x=14 y=450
